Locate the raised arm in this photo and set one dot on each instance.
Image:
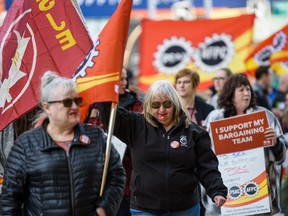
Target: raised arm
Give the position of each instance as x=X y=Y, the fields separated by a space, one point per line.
x=126 y=122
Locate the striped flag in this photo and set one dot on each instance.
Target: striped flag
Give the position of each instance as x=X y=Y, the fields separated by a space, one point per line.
x=273 y=51
x=99 y=74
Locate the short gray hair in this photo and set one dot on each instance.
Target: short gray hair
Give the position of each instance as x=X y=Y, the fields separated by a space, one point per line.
x=50 y=80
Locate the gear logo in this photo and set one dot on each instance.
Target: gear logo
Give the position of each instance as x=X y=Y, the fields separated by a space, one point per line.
x=234 y=192
x=251 y=189
x=279 y=41
x=216 y=52
x=263 y=56
x=173 y=55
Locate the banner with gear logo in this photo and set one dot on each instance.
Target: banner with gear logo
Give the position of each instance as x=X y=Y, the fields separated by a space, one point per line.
x=273 y=51
x=201 y=45
x=244 y=174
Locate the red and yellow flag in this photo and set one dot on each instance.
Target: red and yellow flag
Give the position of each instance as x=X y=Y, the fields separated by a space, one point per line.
x=37 y=36
x=201 y=45
x=98 y=76
x=273 y=51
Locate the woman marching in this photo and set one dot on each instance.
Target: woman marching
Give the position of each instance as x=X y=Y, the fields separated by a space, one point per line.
x=170 y=154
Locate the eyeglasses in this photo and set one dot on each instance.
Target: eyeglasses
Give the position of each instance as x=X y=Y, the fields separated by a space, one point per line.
x=219 y=78
x=165 y=104
x=67 y=102
x=185 y=82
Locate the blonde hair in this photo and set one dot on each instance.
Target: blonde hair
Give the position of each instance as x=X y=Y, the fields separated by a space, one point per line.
x=163 y=88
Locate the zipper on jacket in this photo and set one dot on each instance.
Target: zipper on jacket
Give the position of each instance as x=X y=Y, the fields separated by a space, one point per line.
x=166 y=173
x=71 y=180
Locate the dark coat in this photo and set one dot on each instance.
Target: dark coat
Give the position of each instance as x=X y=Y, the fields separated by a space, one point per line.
x=164 y=179
x=48 y=181
x=203 y=110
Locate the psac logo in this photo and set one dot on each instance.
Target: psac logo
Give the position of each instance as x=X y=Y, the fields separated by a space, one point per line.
x=235 y=192
x=172 y=55
x=175 y=53
x=250 y=189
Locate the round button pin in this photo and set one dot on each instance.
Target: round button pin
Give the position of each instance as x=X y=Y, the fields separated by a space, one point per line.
x=175 y=144
x=84 y=139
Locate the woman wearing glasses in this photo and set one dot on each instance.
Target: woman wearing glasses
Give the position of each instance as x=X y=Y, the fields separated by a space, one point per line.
x=56 y=168
x=166 y=149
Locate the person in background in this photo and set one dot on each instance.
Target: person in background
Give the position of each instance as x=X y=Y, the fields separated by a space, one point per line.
x=132 y=85
x=220 y=78
x=129 y=100
x=56 y=168
x=262 y=86
x=186 y=83
x=166 y=149
x=209 y=93
x=284 y=117
x=279 y=102
x=284 y=183
x=238 y=98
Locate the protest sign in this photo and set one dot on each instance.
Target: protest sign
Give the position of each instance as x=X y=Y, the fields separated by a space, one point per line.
x=244 y=174
x=240 y=133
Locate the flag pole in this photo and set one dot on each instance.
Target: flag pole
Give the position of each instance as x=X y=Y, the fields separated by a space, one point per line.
x=108 y=146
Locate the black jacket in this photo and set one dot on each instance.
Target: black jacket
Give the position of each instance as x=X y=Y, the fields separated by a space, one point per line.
x=203 y=110
x=47 y=181
x=164 y=179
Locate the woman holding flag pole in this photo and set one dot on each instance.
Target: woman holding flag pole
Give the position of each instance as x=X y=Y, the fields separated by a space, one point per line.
x=169 y=154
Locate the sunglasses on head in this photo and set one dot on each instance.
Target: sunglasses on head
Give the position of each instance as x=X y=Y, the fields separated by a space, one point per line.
x=165 y=104
x=67 y=102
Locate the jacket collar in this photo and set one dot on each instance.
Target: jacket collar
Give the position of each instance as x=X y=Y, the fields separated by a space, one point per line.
x=48 y=142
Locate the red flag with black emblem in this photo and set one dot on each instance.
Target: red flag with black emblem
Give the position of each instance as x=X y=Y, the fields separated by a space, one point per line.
x=37 y=36
x=98 y=76
x=203 y=45
x=272 y=51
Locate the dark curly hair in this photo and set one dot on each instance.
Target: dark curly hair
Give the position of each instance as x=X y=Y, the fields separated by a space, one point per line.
x=226 y=97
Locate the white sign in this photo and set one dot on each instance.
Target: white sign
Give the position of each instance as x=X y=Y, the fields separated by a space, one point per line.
x=244 y=174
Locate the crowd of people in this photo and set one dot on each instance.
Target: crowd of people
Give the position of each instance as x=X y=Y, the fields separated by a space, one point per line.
x=169 y=166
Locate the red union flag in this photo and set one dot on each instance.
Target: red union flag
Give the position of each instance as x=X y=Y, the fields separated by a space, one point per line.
x=204 y=45
x=98 y=76
x=37 y=36
x=273 y=51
